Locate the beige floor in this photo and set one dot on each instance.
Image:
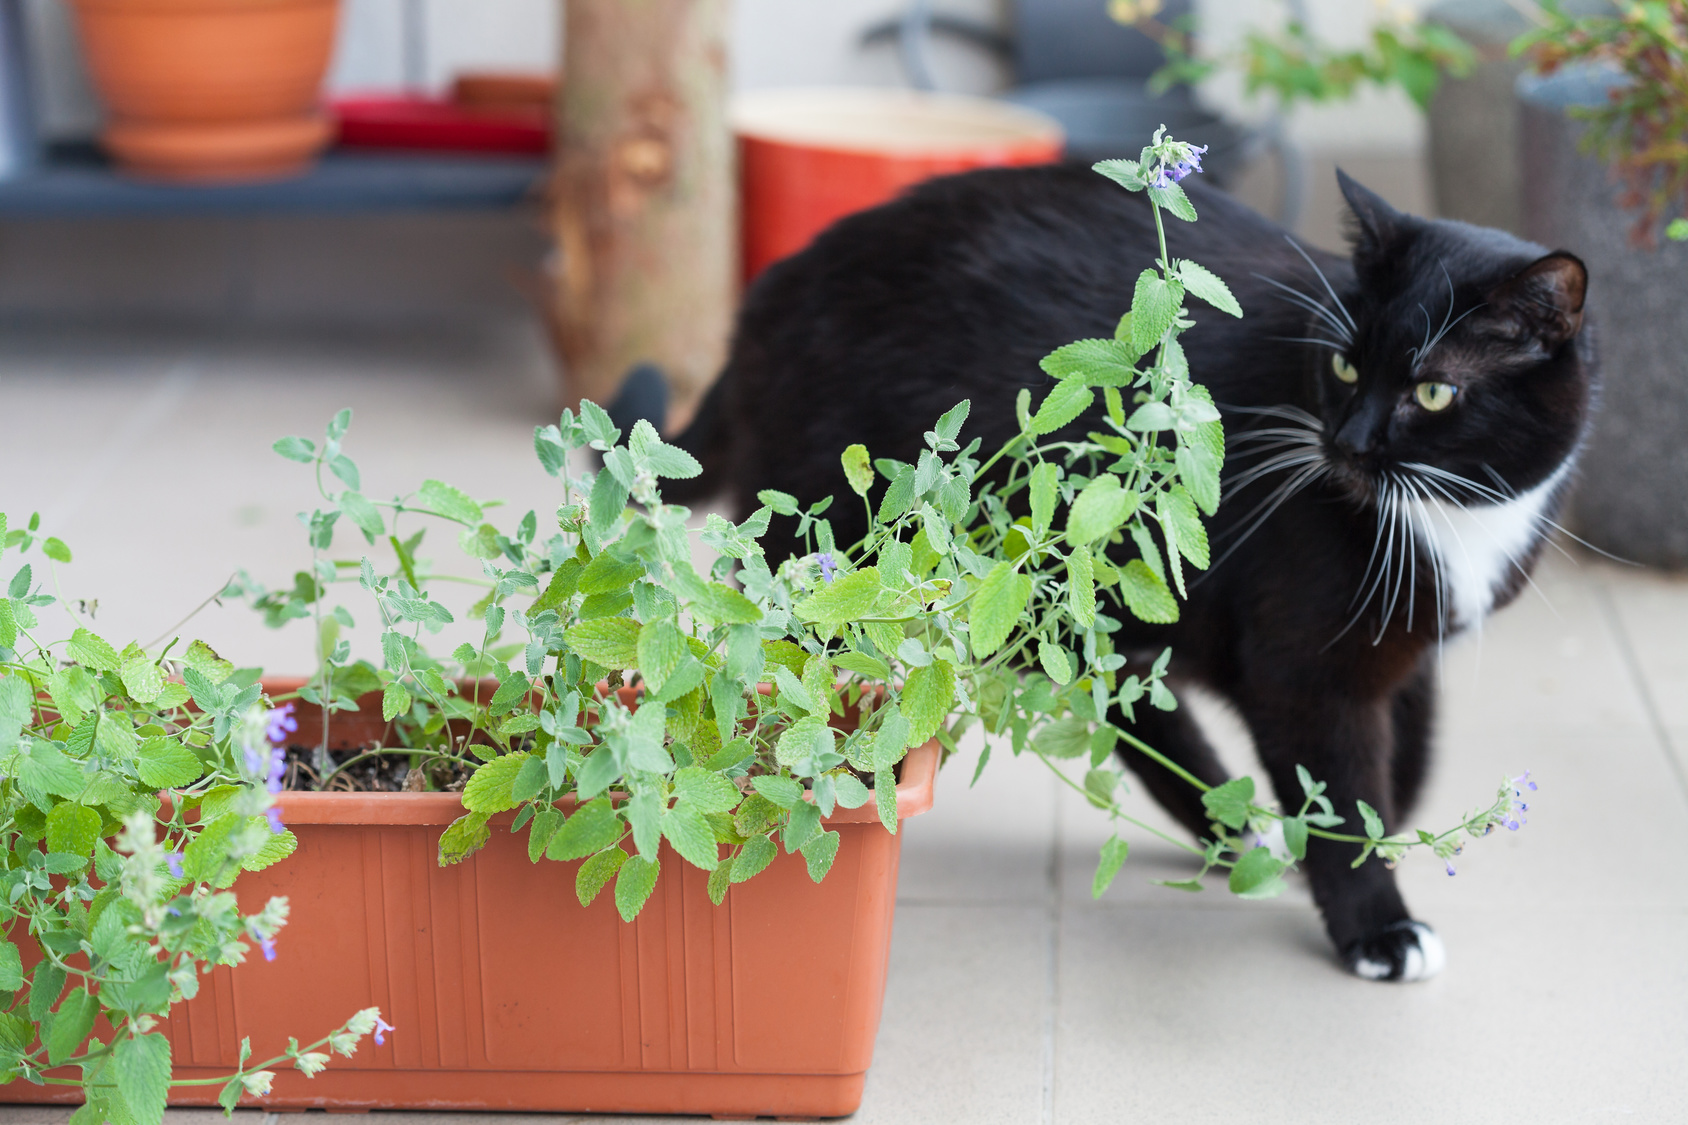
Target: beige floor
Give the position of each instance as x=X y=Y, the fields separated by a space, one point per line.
x=1013 y=997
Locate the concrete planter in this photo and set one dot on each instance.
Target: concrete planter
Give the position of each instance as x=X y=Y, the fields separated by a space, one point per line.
x=1633 y=499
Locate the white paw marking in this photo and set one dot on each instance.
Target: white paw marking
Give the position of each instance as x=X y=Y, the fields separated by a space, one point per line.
x=1477 y=546
x=1427 y=958
x=1371 y=970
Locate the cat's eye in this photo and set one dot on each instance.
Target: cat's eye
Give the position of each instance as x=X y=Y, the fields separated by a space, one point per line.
x=1435 y=396
x=1345 y=371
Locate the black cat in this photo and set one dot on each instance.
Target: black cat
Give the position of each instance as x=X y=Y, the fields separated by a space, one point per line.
x=1401 y=427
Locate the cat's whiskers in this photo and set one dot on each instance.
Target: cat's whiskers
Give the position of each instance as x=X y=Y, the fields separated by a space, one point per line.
x=1287 y=460
x=1500 y=546
x=1312 y=305
x=1262 y=512
x=1325 y=281
x=1501 y=498
x=1287 y=412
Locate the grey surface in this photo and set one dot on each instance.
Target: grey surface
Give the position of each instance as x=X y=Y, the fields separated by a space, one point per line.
x=1473 y=121
x=1633 y=498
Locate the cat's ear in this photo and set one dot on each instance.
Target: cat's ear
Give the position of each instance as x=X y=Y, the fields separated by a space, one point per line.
x=1545 y=297
x=1377 y=224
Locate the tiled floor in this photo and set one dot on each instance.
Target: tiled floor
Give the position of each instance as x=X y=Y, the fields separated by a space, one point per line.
x=1013 y=997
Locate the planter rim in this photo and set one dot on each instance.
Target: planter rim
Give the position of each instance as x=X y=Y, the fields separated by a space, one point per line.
x=1570 y=87
x=218 y=7
x=891 y=123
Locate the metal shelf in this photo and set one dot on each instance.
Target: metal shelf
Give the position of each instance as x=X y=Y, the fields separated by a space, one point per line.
x=76 y=180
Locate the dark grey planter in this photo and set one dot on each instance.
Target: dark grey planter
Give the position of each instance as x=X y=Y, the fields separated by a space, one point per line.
x=1633 y=496
x=1474 y=120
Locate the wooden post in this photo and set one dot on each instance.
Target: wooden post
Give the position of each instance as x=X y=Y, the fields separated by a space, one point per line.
x=645 y=211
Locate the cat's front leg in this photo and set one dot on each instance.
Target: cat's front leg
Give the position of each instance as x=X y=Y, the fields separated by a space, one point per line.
x=1346 y=743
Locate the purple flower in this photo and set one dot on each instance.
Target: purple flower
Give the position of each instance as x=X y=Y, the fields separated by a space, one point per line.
x=280 y=722
x=1450 y=865
x=381 y=1028
x=1168 y=174
x=174 y=859
x=828 y=566
x=268 y=946
x=1522 y=782
x=273 y=815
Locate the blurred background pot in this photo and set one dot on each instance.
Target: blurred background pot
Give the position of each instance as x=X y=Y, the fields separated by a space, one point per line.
x=207 y=90
x=1633 y=499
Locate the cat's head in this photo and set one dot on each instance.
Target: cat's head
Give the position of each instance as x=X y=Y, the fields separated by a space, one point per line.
x=1460 y=348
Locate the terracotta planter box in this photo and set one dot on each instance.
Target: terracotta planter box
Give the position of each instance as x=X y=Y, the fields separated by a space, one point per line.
x=507 y=995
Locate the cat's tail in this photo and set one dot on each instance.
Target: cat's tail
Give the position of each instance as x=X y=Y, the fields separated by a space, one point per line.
x=644 y=394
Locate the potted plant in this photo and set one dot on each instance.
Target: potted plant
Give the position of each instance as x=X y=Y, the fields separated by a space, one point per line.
x=645 y=852
x=1602 y=121
x=210 y=90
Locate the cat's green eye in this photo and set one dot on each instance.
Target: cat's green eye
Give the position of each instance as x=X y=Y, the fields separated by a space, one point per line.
x=1345 y=371
x=1435 y=396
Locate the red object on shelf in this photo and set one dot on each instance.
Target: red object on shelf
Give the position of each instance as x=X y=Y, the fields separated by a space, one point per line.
x=434 y=124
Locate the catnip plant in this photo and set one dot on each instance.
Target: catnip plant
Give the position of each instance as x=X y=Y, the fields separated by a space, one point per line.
x=619 y=696
x=135 y=788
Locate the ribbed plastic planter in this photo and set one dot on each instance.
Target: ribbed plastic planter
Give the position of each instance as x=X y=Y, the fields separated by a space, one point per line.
x=1633 y=495
x=506 y=994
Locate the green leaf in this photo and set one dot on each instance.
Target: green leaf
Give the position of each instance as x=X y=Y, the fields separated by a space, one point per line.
x=1081 y=587
x=464 y=836
x=1146 y=595
x=46 y=770
x=1228 y=803
x=607 y=574
x=1112 y=859
x=595 y=874
x=560 y=588
x=885 y=798
x=11 y=963
x=1202 y=282
x=782 y=791
x=443 y=500
x=1056 y=661
x=1256 y=874
x=593 y=827
x=819 y=852
x=1295 y=836
x=1066 y=737
x=1199 y=471
x=753 y=858
x=164 y=763
x=660 y=649
x=1098 y=510
x=361 y=512
x=71 y=1026
x=843 y=599
x=1172 y=198
x=852 y=794
x=612 y=642
x=1372 y=821
x=1095 y=363
x=277 y=847
x=142 y=679
x=72 y=829
x=708 y=792
x=927 y=695
x=996 y=609
x=395 y=701
x=782 y=502
x=1177 y=511
x=724 y=605
x=1154 y=305
x=1066 y=401
x=802 y=739
x=296 y=449
x=8 y=624
x=55 y=549
x=511 y=694
x=86 y=648
x=858 y=470
x=863 y=665
x=1045 y=480
x=142 y=1063
x=688 y=830
x=489 y=788
x=633 y=886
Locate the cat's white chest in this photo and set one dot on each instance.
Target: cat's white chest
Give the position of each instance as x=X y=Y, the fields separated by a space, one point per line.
x=1475 y=547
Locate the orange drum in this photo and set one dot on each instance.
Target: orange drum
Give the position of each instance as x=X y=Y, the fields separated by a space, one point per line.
x=810 y=157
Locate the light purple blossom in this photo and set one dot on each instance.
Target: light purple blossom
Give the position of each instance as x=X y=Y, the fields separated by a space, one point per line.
x=174 y=859
x=273 y=815
x=828 y=566
x=381 y=1028
x=1166 y=175
x=1450 y=866
x=268 y=946
x=279 y=723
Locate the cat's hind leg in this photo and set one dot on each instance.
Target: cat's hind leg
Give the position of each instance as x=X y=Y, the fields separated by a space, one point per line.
x=1177 y=736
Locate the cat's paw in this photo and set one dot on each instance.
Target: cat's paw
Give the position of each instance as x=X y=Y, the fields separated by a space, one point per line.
x=1404 y=951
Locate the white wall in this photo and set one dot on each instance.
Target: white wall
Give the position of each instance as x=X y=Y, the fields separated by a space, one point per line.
x=389 y=43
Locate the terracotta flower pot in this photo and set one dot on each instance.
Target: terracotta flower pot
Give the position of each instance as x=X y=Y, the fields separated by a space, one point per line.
x=207 y=90
x=507 y=994
x=810 y=157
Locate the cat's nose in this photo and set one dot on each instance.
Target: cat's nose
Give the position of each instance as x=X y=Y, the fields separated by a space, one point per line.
x=1357 y=437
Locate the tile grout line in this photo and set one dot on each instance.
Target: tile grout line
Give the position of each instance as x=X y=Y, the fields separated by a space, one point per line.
x=1633 y=663
x=1052 y=960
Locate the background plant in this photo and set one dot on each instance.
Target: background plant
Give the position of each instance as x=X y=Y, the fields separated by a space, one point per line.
x=769 y=690
x=1293 y=64
x=1642 y=130
x=114 y=901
